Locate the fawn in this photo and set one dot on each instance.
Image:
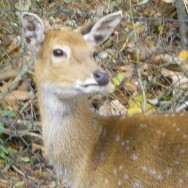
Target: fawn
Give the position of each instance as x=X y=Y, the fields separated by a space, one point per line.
x=86 y=149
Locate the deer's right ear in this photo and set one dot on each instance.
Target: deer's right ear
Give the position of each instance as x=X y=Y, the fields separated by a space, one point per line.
x=102 y=29
x=33 y=31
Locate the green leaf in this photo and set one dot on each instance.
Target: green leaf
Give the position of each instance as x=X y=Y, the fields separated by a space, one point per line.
x=19 y=184
x=4 y=149
x=1 y=127
x=118 y=79
x=24 y=159
x=160 y=27
x=4 y=156
x=8 y=113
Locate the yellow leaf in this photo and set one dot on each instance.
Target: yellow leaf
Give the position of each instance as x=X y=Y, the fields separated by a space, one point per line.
x=118 y=79
x=135 y=105
x=183 y=55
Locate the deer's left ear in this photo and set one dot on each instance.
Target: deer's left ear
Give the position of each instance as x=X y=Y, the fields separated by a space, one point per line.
x=33 y=31
x=103 y=28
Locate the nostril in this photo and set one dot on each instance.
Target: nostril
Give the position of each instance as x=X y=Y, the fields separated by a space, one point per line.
x=97 y=75
x=101 y=78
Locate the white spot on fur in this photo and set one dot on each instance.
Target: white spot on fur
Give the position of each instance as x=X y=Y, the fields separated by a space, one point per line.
x=126 y=177
x=144 y=168
x=134 y=157
x=152 y=172
x=127 y=141
x=142 y=125
x=168 y=171
x=185 y=136
x=137 y=184
x=102 y=156
x=159 y=177
x=182 y=151
x=159 y=133
x=120 y=183
x=127 y=148
x=186 y=173
x=115 y=171
x=120 y=168
x=176 y=163
x=117 y=138
x=123 y=143
x=181 y=181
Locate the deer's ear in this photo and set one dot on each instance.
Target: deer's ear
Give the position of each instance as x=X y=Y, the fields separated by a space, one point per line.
x=103 y=28
x=33 y=31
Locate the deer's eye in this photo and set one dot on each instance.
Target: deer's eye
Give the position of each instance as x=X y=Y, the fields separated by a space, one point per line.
x=58 y=53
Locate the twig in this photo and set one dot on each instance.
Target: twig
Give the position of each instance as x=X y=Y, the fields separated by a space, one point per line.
x=185 y=3
x=18 y=171
x=183 y=28
x=28 y=103
x=21 y=124
x=7 y=167
x=23 y=174
x=21 y=133
x=21 y=128
x=15 y=82
x=182 y=107
x=143 y=105
x=3 y=183
x=69 y=12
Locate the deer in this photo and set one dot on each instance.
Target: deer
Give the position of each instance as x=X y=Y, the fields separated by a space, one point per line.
x=86 y=149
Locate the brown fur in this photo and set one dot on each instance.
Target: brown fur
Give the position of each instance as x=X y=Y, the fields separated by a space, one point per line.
x=90 y=151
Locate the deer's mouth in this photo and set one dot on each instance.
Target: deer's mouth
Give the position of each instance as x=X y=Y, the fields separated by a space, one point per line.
x=94 y=87
x=89 y=85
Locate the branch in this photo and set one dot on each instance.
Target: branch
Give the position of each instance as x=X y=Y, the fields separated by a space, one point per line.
x=183 y=29
x=20 y=128
x=15 y=82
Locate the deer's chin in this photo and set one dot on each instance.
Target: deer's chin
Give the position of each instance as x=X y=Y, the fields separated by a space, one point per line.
x=95 y=88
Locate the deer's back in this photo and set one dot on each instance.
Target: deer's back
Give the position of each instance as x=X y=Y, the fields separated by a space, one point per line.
x=143 y=151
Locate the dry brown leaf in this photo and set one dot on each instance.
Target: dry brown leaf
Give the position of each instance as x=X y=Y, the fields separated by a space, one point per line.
x=114 y=108
x=25 y=85
x=131 y=85
x=15 y=44
x=179 y=80
x=5 y=86
x=5 y=75
x=146 y=48
x=17 y=95
x=128 y=69
x=36 y=147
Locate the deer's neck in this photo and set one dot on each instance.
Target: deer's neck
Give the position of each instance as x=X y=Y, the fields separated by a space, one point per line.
x=70 y=130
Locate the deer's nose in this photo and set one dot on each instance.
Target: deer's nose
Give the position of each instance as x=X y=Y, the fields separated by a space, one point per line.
x=101 y=78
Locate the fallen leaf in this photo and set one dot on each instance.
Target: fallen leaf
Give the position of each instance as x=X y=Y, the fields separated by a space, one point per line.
x=24 y=159
x=18 y=95
x=118 y=79
x=114 y=108
x=183 y=55
x=135 y=105
x=131 y=85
